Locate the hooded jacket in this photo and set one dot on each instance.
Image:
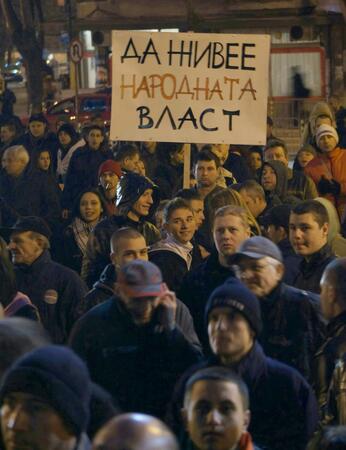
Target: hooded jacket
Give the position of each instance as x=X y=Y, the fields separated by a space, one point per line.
x=278 y=195
x=130 y=187
x=320 y=109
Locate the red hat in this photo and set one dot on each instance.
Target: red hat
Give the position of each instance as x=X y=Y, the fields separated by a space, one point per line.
x=110 y=166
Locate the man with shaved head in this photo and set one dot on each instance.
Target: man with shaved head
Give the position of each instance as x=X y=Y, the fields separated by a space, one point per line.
x=135 y=432
x=333 y=306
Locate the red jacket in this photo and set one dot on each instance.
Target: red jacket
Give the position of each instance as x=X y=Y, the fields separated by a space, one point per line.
x=332 y=165
x=245 y=442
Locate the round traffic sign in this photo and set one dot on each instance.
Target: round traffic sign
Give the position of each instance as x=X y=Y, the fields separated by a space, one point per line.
x=76 y=51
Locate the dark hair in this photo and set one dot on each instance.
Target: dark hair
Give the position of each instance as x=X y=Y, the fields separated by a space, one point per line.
x=126 y=151
x=276 y=143
x=330 y=438
x=76 y=205
x=165 y=150
x=10 y=125
x=218 y=373
x=189 y=194
x=313 y=207
x=173 y=205
x=8 y=285
x=207 y=155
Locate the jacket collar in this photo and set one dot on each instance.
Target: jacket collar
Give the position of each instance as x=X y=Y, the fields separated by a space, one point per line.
x=317 y=258
x=37 y=265
x=336 y=324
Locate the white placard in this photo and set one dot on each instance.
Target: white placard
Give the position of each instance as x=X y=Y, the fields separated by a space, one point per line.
x=187 y=87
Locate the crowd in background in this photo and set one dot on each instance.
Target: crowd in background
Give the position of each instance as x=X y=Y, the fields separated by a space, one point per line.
x=218 y=309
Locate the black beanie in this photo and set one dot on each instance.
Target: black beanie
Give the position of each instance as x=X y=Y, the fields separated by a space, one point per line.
x=55 y=374
x=236 y=295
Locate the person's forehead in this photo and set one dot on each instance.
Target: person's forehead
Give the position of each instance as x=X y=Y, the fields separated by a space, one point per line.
x=181 y=213
x=147 y=192
x=227 y=220
x=302 y=218
x=37 y=122
x=108 y=173
x=23 y=235
x=126 y=244
x=215 y=391
x=25 y=397
x=275 y=149
x=268 y=168
x=206 y=164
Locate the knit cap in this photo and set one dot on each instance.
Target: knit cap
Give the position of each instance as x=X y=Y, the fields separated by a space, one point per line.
x=110 y=166
x=57 y=375
x=234 y=294
x=324 y=130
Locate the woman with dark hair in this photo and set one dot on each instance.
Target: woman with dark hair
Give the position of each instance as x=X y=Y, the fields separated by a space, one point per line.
x=86 y=214
x=15 y=303
x=169 y=172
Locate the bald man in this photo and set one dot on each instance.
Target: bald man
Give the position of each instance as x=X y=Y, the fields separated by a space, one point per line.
x=333 y=306
x=135 y=432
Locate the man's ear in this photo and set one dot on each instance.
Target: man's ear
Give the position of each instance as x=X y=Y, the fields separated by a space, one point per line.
x=325 y=229
x=183 y=413
x=113 y=258
x=247 y=419
x=280 y=270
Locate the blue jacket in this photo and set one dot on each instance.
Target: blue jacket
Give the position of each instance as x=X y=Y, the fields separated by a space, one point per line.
x=284 y=412
x=138 y=365
x=55 y=290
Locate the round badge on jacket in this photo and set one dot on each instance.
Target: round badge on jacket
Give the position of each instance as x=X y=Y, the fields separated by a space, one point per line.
x=50 y=296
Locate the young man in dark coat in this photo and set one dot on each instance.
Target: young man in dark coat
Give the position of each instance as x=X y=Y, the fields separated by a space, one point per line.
x=54 y=289
x=283 y=407
x=83 y=169
x=230 y=229
x=176 y=255
x=309 y=225
x=127 y=244
x=25 y=190
x=138 y=342
x=292 y=325
x=137 y=199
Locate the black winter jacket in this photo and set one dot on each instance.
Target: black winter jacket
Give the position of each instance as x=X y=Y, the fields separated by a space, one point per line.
x=33 y=193
x=310 y=271
x=284 y=411
x=82 y=173
x=292 y=327
x=139 y=366
x=332 y=349
x=102 y=290
x=55 y=290
x=291 y=261
x=196 y=288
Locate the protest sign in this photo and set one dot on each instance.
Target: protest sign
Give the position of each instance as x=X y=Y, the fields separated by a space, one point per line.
x=187 y=87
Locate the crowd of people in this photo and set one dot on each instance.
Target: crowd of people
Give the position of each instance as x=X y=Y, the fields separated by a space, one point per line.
x=136 y=314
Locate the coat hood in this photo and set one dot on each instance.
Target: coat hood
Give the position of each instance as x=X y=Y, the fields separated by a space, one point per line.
x=130 y=187
x=281 y=177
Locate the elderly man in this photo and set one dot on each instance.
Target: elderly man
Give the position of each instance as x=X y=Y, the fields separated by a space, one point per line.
x=25 y=190
x=54 y=289
x=292 y=328
x=139 y=341
x=135 y=432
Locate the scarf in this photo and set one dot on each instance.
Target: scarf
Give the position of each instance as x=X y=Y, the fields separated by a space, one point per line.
x=81 y=231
